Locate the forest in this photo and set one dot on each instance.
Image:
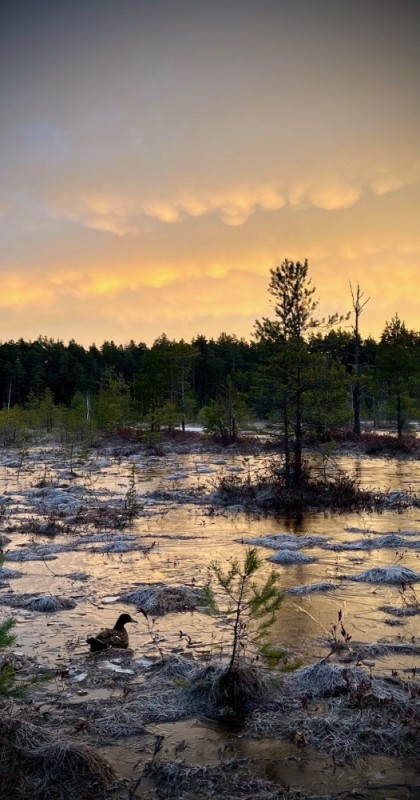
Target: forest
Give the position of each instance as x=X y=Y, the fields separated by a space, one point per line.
x=226 y=383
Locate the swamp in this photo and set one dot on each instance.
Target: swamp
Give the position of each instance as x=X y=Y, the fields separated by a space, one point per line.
x=125 y=528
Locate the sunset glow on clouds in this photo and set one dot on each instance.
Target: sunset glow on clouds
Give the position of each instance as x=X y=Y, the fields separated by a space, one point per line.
x=158 y=158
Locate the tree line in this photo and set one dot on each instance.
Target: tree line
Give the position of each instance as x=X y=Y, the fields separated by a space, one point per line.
x=299 y=371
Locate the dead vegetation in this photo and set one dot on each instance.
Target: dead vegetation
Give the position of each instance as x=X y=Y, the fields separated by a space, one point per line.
x=269 y=493
x=244 y=688
x=312 y=588
x=158 y=599
x=362 y=716
x=291 y=557
x=230 y=780
x=46 y=603
x=395 y=575
x=35 y=765
x=176 y=689
x=7 y=574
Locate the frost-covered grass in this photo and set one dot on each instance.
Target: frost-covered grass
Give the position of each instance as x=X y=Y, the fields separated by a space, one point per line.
x=312 y=588
x=37 y=765
x=362 y=715
x=291 y=557
x=395 y=575
x=157 y=599
x=46 y=603
x=286 y=541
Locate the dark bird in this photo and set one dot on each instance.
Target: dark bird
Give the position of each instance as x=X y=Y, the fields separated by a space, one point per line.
x=111 y=637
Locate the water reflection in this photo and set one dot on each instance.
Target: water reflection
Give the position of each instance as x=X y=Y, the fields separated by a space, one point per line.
x=187 y=538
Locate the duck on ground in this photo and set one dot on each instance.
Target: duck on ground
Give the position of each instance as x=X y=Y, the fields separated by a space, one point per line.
x=111 y=637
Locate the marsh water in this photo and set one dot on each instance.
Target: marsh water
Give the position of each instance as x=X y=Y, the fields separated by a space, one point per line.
x=178 y=541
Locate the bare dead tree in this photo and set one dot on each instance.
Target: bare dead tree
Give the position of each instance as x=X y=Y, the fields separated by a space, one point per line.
x=358 y=305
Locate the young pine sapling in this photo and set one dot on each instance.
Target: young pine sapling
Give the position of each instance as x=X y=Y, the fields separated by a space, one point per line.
x=250 y=611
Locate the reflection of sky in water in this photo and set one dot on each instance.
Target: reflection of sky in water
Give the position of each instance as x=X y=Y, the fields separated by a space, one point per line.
x=208 y=537
x=187 y=538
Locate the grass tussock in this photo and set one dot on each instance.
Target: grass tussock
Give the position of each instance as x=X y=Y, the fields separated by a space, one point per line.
x=269 y=493
x=7 y=574
x=164 y=697
x=387 y=445
x=37 y=766
x=176 y=689
x=158 y=599
x=395 y=575
x=241 y=689
x=46 y=604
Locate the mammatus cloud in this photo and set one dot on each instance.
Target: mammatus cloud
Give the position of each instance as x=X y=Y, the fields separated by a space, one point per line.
x=122 y=213
x=389 y=179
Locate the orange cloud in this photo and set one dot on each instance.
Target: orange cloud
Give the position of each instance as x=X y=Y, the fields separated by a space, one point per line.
x=19 y=291
x=121 y=215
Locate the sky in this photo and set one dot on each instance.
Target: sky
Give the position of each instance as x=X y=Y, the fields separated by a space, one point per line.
x=159 y=157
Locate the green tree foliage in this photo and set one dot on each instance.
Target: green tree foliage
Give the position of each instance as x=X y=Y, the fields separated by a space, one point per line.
x=76 y=421
x=397 y=374
x=296 y=372
x=10 y=687
x=221 y=417
x=291 y=367
x=249 y=608
x=13 y=426
x=113 y=403
x=327 y=406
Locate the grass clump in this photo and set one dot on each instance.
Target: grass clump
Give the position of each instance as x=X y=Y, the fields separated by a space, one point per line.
x=374 y=444
x=395 y=575
x=269 y=492
x=46 y=604
x=37 y=766
x=158 y=599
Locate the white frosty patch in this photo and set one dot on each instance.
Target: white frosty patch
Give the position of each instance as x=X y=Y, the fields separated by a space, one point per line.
x=116 y=668
x=311 y=588
x=291 y=557
x=394 y=575
x=286 y=541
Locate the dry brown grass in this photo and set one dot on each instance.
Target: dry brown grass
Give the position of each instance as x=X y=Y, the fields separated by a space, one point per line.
x=46 y=603
x=230 y=780
x=241 y=690
x=158 y=599
x=360 y=715
x=36 y=766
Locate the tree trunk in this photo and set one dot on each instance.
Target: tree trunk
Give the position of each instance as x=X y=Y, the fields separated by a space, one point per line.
x=358 y=307
x=297 y=465
x=399 y=418
x=286 y=443
x=357 y=396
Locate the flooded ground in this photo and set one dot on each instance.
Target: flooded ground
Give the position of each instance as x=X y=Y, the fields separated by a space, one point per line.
x=172 y=539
